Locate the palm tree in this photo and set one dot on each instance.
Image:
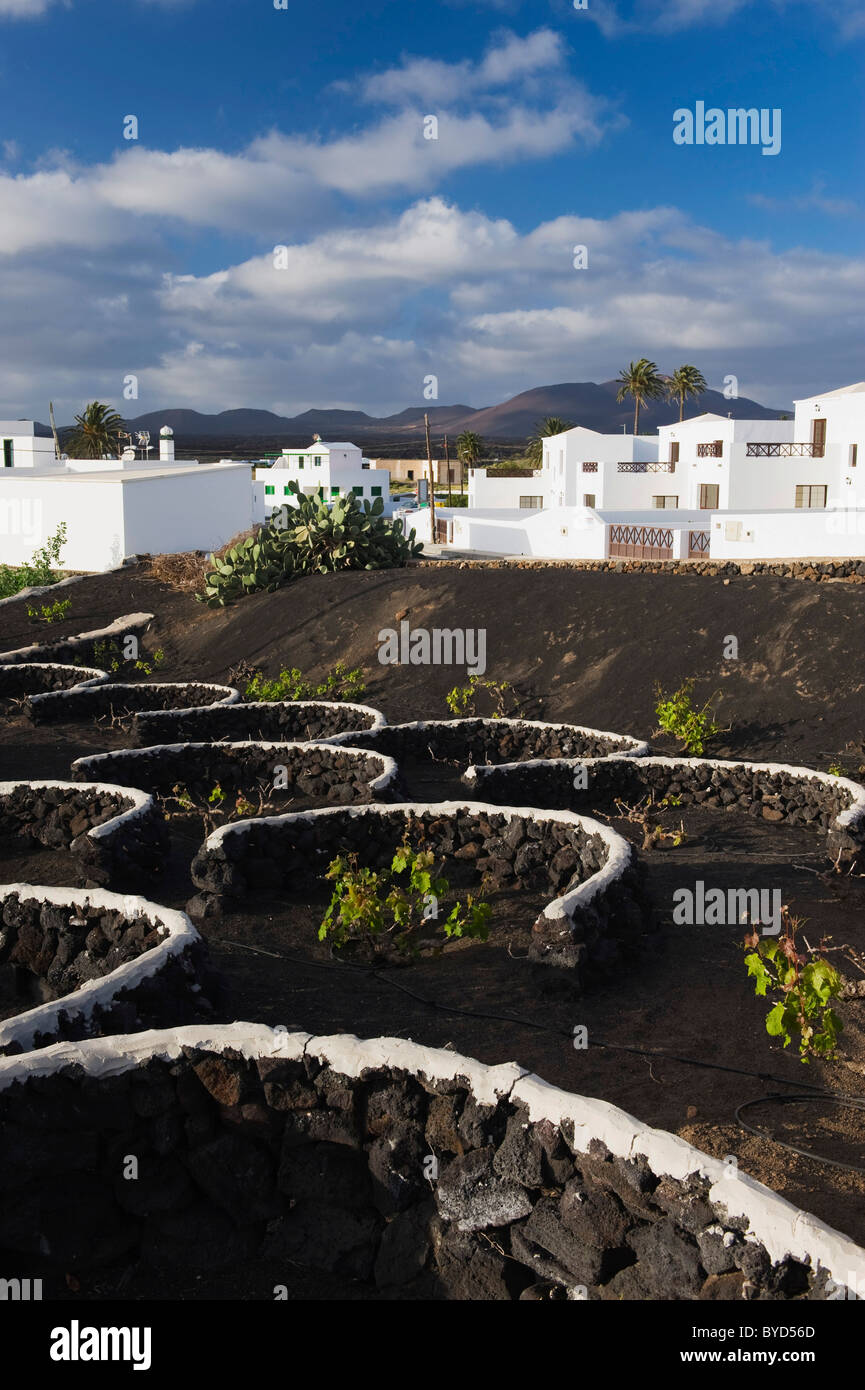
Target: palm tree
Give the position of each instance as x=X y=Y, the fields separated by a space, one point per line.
x=683 y=382
x=543 y=430
x=643 y=381
x=99 y=430
x=469 y=449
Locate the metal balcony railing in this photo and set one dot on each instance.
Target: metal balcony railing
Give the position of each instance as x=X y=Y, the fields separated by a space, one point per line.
x=785 y=451
x=645 y=468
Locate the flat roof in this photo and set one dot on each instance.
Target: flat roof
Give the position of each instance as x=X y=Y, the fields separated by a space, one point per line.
x=855 y=389
x=113 y=475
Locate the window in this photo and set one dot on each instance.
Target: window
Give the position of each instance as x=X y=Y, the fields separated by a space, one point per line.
x=818 y=438
x=375 y=492
x=664 y=501
x=286 y=492
x=588 y=499
x=531 y=504
x=708 y=496
x=269 y=491
x=358 y=491
x=300 y=463
x=334 y=492
x=854 y=455
x=317 y=461
x=810 y=496
x=7 y=453
x=674 y=453
x=410 y=475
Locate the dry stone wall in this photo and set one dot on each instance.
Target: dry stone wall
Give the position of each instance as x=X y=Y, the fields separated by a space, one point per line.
x=768 y=791
x=414 y=1170
x=101 y=962
x=280 y=720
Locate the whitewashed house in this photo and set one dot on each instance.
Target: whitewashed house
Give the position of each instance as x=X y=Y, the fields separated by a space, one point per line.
x=709 y=487
x=24 y=444
x=523 y=493
x=338 y=469
x=114 y=508
x=584 y=468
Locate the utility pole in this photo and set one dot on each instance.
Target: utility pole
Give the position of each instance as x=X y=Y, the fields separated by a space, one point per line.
x=448 y=467
x=54 y=429
x=432 y=494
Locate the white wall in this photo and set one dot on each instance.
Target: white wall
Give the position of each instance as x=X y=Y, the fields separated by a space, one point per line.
x=566 y=483
x=490 y=490
x=110 y=517
x=782 y=535
x=31 y=509
x=197 y=510
x=28 y=450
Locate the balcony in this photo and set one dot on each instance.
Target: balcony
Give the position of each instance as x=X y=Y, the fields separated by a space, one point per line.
x=590 y=468
x=645 y=468
x=715 y=450
x=785 y=451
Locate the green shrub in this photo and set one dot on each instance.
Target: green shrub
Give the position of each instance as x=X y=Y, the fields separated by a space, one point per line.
x=462 y=699
x=309 y=538
x=50 y=612
x=40 y=569
x=338 y=684
x=388 y=907
x=677 y=716
x=803 y=986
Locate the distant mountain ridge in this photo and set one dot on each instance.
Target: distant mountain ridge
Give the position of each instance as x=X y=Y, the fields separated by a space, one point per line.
x=587 y=403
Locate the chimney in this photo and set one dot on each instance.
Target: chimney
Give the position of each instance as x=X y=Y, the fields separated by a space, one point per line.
x=166 y=444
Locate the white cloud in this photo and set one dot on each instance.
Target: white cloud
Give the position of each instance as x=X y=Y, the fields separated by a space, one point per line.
x=615 y=18
x=364 y=313
x=281 y=184
x=509 y=59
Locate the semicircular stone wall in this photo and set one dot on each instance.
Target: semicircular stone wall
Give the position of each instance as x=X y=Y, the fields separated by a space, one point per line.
x=397 y=1165
x=496 y=740
x=36 y=677
x=591 y=869
x=280 y=720
x=324 y=772
x=410 y=1170
x=116 y=833
x=770 y=791
x=97 y=961
x=121 y=699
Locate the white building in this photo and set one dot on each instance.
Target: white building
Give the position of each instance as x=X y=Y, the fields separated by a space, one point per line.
x=115 y=508
x=581 y=533
x=583 y=468
x=709 y=487
x=521 y=493
x=338 y=469
x=22 y=447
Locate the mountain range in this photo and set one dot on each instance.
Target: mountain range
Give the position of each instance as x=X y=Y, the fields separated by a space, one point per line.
x=587 y=403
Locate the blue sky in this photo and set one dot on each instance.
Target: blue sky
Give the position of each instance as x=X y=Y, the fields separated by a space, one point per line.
x=409 y=257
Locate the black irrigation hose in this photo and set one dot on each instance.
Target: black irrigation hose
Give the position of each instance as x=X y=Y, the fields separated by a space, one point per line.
x=855 y=1102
